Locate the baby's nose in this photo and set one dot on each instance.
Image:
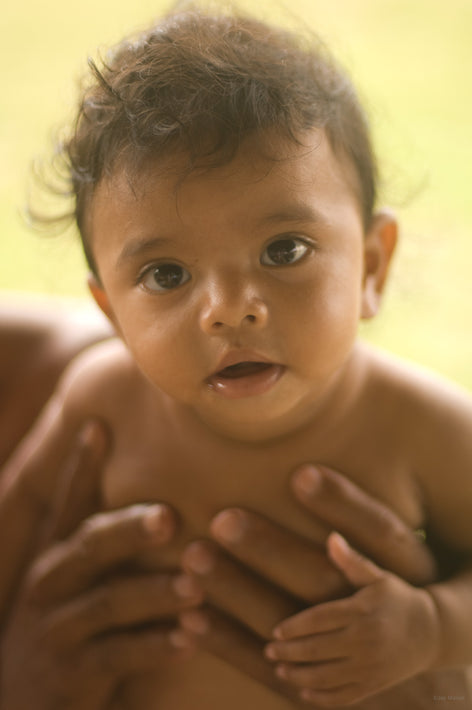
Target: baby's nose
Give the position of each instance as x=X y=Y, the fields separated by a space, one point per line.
x=232 y=305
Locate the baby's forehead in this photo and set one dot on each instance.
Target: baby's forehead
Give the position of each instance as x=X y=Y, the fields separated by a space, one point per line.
x=287 y=182
x=259 y=157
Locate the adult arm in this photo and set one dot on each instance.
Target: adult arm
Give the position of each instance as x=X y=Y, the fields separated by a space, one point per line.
x=75 y=624
x=39 y=335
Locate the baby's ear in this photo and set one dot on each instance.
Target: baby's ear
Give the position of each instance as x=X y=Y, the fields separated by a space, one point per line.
x=379 y=246
x=100 y=297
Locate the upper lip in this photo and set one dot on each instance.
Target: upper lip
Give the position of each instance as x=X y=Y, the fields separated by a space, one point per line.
x=235 y=357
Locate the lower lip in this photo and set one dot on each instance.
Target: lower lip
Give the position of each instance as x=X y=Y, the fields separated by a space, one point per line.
x=248 y=386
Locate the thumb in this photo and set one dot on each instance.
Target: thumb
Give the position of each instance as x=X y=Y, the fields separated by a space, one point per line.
x=80 y=493
x=357 y=569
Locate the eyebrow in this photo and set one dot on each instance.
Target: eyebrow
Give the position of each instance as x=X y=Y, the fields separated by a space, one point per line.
x=138 y=247
x=292 y=213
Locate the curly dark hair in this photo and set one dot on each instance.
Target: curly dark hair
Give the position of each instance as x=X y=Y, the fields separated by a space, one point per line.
x=201 y=83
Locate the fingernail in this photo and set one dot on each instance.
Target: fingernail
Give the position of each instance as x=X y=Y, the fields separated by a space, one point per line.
x=198 y=558
x=194 y=621
x=307 y=480
x=186 y=587
x=270 y=652
x=88 y=434
x=277 y=633
x=281 y=671
x=306 y=694
x=339 y=541
x=229 y=526
x=180 y=639
x=156 y=523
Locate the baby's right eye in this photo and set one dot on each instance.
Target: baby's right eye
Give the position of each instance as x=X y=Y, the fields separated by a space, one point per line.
x=164 y=277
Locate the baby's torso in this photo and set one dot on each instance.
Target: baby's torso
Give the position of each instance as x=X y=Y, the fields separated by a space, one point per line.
x=153 y=460
x=199 y=478
x=198 y=487
x=156 y=457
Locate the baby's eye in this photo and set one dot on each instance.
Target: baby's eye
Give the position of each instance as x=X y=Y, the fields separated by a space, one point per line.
x=164 y=277
x=282 y=252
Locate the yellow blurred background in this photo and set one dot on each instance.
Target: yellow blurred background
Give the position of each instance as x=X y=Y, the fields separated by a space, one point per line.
x=411 y=60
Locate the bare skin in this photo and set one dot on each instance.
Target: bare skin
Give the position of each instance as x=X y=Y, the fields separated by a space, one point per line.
x=190 y=439
x=38 y=339
x=59 y=576
x=64 y=585
x=295 y=593
x=52 y=654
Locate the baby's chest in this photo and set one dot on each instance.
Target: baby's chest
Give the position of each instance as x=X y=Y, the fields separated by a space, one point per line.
x=199 y=481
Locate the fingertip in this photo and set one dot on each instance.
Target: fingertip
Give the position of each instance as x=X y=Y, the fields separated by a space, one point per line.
x=195 y=622
x=270 y=652
x=229 y=526
x=337 y=547
x=278 y=633
x=158 y=522
x=199 y=557
x=183 y=645
x=358 y=570
x=93 y=435
x=282 y=671
x=181 y=640
x=187 y=588
x=337 y=541
x=307 y=480
x=307 y=695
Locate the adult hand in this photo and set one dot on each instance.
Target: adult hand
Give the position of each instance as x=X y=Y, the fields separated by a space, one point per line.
x=84 y=616
x=267 y=573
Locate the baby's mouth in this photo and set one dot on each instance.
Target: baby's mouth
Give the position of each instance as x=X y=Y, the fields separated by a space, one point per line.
x=247 y=378
x=243 y=369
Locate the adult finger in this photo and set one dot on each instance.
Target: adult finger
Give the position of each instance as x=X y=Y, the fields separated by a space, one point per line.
x=35 y=675
x=367 y=523
x=244 y=596
x=135 y=651
x=102 y=543
x=28 y=484
x=80 y=484
x=221 y=636
x=118 y=603
x=286 y=559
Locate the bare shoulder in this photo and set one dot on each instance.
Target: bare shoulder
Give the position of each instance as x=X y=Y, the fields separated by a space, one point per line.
x=431 y=419
x=99 y=381
x=411 y=386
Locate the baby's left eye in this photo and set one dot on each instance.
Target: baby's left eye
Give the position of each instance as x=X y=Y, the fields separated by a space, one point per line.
x=282 y=252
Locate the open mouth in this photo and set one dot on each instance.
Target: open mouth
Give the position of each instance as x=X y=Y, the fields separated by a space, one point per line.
x=243 y=369
x=245 y=379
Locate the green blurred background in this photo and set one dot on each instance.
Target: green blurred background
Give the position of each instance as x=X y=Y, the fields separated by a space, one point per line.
x=411 y=60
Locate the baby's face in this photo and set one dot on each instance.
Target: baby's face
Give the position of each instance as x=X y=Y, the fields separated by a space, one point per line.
x=238 y=290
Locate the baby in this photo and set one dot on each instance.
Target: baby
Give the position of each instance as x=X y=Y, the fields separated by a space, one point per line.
x=225 y=189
